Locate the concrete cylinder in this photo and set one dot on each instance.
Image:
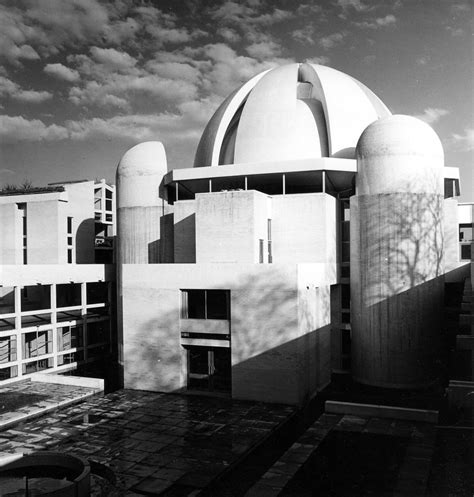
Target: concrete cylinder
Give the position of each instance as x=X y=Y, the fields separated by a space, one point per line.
x=139 y=207
x=397 y=255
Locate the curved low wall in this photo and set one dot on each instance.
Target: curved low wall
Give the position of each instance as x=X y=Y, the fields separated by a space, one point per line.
x=75 y=470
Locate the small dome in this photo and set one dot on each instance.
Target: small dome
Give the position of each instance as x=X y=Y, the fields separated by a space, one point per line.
x=295 y=111
x=399 y=154
x=144 y=159
x=139 y=175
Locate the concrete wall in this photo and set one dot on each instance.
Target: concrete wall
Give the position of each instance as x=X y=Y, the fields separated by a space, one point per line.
x=45 y=238
x=397 y=288
x=11 y=235
x=304 y=228
x=80 y=207
x=185 y=231
x=279 y=352
x=451 y=234
x=46 y=216
x=138 y=234
x=228 y=226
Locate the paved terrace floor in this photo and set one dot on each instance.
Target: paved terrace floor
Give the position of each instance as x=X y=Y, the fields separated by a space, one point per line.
x=26 y=399
x=154 y=443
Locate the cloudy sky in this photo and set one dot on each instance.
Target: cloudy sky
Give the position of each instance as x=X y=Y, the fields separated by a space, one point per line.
x=81 y=81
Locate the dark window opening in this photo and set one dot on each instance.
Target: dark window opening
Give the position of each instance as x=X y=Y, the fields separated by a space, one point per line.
x=260 y=251
x=35 y=298
x=466 y=252
x=68 y=294
x=209 y=369
x=7 y=373
x=97 y=332
x=97 y=293
x=345 y=296
x=205 y=304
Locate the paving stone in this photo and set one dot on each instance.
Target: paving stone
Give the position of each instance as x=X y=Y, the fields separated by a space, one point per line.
x=152 y=486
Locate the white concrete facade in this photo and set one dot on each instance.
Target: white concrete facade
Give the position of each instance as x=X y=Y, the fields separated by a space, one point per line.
x=54 y=318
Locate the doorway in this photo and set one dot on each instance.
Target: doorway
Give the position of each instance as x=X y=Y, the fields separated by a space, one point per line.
x=209 y=369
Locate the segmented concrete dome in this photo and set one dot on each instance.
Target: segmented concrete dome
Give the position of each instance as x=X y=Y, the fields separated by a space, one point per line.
x=139 y=175
x=399 y=154
x=296 y=111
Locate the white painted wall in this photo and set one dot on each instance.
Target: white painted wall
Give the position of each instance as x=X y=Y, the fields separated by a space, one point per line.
x=269 y=335
x=304 y=228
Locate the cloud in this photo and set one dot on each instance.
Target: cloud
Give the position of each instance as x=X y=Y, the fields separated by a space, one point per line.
x=14 y=129
x=264 y=50
x=332 y=40
x=423 y=61
x=304 y=35
x=32 y=96
x=113 y=59
x=465 y=140
x=322 y=60
x=54 y=25
x=10 y=89
x=240 y=13
x=229 y=34
x=225 y=70
x=432 y=115
x=357 y=5
x=117 y=90
x=453 y=31
x=306 y=9
x=379 y=22
x=59 y=71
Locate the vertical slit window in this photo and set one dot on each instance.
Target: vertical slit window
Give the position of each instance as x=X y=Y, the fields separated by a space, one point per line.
x=24 y=240
x=70 y=241
x=269 y=235
x=260 y=251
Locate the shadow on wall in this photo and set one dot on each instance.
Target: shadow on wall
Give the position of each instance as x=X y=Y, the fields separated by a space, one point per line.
x=161 y=251
x=85 y=242
x=398 y=289
x=280 y=340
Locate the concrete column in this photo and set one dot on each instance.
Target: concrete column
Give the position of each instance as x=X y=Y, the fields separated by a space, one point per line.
x=397 y=255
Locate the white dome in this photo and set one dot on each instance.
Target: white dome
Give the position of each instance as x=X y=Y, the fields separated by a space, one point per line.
x=139 y=175
x=295 y=111
x=399 y=154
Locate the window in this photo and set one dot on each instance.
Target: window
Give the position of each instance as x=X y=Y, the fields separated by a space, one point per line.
x=70 y=241
x=205 y=304
x=33 y=367
x=35 y=298
x=260 y=251
x=269 y=235
x=466 y=252
x=37 y=343
x=7 y=349
x=7 y=373
x=97 y=293
x=68 y=294
x=97 y=332
x=69 y=337
x=22 y=209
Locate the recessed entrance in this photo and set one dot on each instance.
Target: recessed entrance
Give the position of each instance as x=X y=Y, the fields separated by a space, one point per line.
x=209 y=369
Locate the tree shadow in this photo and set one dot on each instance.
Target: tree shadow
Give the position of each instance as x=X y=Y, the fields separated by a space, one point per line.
x=279 y=338
x=397 y=286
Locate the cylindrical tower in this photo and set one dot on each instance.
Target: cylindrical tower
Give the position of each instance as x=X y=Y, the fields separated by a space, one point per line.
x=397 y=263
x=139 y=207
